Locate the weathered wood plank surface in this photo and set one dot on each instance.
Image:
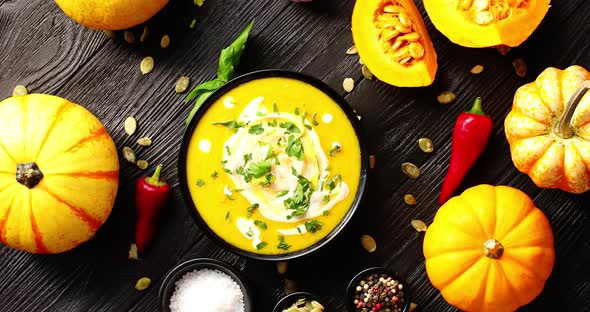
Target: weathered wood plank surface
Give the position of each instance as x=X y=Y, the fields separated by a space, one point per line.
x=42 y=49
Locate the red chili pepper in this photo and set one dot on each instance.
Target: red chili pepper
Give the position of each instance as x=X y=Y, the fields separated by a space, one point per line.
x=151 y=195
x=470 y=137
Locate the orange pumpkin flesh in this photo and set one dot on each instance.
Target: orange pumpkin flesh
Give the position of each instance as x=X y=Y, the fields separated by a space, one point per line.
x=489 y=249
x=65 y=201
x=111 y=14
x=486 y=23
x=373 y=25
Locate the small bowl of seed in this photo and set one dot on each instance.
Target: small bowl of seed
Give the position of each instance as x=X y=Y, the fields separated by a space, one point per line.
x=377 y=289
x=299 y=301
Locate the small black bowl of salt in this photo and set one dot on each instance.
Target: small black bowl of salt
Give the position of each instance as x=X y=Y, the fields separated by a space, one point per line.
x=204 y=285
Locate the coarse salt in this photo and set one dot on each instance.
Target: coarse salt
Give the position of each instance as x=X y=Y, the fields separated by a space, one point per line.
x=207 y=291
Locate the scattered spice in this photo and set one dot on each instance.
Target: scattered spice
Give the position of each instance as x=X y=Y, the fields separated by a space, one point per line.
x=419 y=225
x=182 y=84
x=143 y=283
x=426 y=145
x=145 y=34
x=147 y=65
x=446 y=97
x=282 y=267
x=290 y=286
x=348 y=84
x=130 y=125
x=200 y=183
x=410 y=199
x=207 y=290
x=129 y=37
x=129 y=154
x=352 y=50
x=145 y=141
x=372 y=161
x=133 y=252
x=151 y=195
x=368 y=243
x=519 y=67
x=165 y=42
x=412 y=307
x=366 y=72
x=410 y=170
x=142 y=164
x=305 y=305
x=477 y=69
x=379 y=292
x=20 y=90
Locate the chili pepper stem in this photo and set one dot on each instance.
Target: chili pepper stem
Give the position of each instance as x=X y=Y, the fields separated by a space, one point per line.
x=155 y=179
x=476 y=108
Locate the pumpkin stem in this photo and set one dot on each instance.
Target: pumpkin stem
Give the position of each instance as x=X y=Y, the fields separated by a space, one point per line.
x=476 y=108
x=493 y=249
x=564 y=128
x=155 y=179
x=28 y=174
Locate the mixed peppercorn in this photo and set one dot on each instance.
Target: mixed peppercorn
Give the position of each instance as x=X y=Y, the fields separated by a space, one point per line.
x=379 y=292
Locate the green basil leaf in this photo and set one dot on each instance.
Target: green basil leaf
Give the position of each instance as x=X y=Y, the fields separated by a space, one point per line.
x=230 y=56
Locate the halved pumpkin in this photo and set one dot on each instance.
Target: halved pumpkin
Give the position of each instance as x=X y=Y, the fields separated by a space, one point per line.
x=393 y=42
x=486 y=23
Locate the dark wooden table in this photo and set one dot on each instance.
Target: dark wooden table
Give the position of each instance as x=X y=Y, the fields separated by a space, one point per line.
x=44 y=50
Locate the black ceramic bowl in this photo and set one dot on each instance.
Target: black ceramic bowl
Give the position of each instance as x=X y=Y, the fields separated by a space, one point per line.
x=169 y=283
x=351 y=289
x=291 y=298
x=352 y=117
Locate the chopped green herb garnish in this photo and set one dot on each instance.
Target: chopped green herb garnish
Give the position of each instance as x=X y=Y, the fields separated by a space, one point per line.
x=273 y=123
x=308 y=127
x=299 y=230
x=259 y=169
x=282 y=193
x=251 y=209
x=300 y=200
x=231 y=124
x=250 y=232
x=326 y=212
x=313 y=226
x=260 y=224
x=335 y=149
x=227 y=218
x=227 y=170
x=200 y=182
x=256 y=129
x=275 y=109
x=270 y=153
x=326 y=199
x=228 y=151
x=295 y=147
x=261 y=245
x=331 y=183
x=267 y=180
x=247 y=157
x=313 y=121
x=297 y=111
x=282 y=244
x=259 y=114
x=289 y=127
x=214 y=174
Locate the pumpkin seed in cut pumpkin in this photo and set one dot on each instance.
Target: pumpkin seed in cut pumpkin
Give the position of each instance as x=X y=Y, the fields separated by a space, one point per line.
x=129 y=154
x=147 y=65
x=372 y=161
x=145 y=34
x=477 y=69
x=368 y=243
x=143 y=283
x=446 y=97
x=165 y=42
x=352 y=51
x=142 y=164
x=419 y=225
x=282 y=267
x=133 y=252
x=348 y=84
x=410 y=199
x=519 y=67
x=130 y=125
x=129 y=37
x=367 y=73
x=20 y=90
x=410 y=170
x=426 y=145
x=145 y=141
x=182 y=84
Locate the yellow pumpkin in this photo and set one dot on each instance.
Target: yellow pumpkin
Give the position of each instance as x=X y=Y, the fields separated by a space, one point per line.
x=111 y=14
x=393 y=42
x=486 y=23
x=489 y=249
x=59 y=173
x=548 y=129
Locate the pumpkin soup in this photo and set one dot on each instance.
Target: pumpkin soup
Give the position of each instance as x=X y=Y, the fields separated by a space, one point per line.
x=273 y=166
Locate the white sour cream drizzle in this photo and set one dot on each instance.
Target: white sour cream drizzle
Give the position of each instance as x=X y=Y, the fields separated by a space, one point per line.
x=312 y=167
x=249 y=230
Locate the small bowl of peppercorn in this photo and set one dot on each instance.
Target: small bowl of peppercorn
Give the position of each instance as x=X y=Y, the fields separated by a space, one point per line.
x=377 y=289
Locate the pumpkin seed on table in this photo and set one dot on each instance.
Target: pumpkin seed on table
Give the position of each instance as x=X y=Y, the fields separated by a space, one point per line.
x=503 y=49
x=290 y=286
x=446 y=97
x=143 y=283
x=419 y=225
x=20 y=90
x=142 y=164
x=182 y=84
x=411 y=170
x=412 y=306
x=199 y=2
x=372 y=161
x=368 y=243
x=109 y=33
x=129 y=154
x=129 y=37
x=519 y=67
x=130 y=125
x=348 y=84
x=477 y=69
x=426 y=145
x=145 y=141
x=147 y=65
x=165 y=42
x=410 y=199
x=133 y=252
x=352 y=50
x=282 y=267
x=145 y=34
x=366 y=72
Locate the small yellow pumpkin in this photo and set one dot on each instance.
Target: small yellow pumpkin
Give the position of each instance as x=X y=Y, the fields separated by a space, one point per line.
x=489 y=249
x=111 y=14
x=59 y=173
x=548 y=129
